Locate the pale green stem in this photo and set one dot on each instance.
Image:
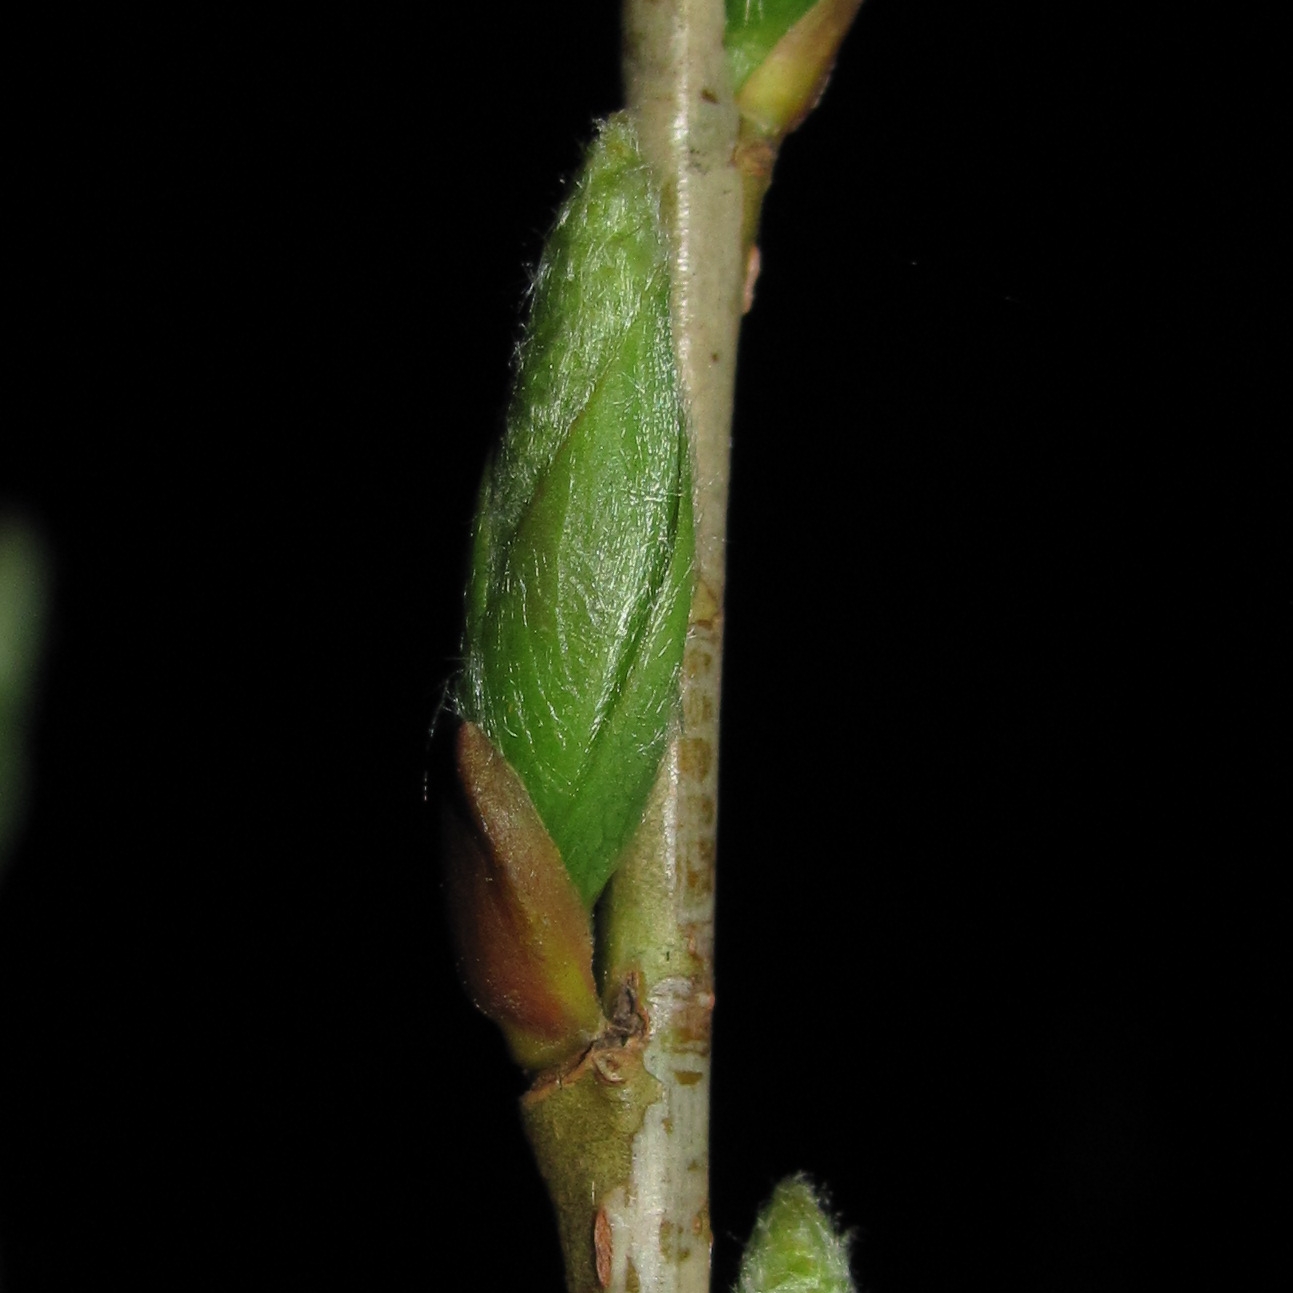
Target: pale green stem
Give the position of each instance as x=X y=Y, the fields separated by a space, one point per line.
x=659 y=917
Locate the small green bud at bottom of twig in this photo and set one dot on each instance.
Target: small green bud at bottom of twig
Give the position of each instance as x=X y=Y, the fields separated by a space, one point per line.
x=795 y=1247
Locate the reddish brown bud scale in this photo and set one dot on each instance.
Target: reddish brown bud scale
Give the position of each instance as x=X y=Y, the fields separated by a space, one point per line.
x=523 y=939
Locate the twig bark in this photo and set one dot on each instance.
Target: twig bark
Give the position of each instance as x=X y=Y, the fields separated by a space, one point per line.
x=659 y=918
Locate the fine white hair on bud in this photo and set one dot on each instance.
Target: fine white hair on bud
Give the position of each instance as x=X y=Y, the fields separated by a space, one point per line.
x=795 y=1247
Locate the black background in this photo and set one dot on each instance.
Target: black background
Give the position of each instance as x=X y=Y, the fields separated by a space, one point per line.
x=1000 y=952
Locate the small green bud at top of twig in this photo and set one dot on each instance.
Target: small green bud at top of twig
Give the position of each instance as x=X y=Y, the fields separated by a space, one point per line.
x=795 y=1247
x=753 y=27
x=580 y=581
x=781 y=53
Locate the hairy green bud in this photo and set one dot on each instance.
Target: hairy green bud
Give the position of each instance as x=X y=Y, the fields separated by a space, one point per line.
x=580 y=581
x=795 y=1248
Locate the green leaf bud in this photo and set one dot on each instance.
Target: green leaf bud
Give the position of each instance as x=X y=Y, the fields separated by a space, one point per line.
x=781 y=53
x=580 y=582
x=753 y=27
x=795 y=1247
